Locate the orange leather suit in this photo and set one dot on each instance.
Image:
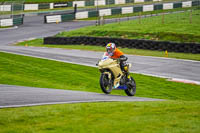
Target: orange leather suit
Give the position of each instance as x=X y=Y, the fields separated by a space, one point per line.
x=117 y=53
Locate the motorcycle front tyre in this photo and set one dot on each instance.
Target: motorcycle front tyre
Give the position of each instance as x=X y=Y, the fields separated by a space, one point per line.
x=106 y=86
x=131 y=90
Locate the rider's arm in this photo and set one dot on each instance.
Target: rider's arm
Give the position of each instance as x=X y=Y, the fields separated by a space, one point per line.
x=123 y=58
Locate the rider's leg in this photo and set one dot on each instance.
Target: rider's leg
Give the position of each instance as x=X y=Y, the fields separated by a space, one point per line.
x=124 y=68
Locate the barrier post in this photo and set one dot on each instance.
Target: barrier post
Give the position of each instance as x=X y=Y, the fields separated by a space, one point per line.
x=163 y=18
x=166 y=53
x=119 y=19
x=190 y=16
x=140 y=18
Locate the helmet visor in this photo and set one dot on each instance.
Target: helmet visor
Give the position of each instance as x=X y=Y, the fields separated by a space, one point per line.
x=110 y=49
x=110 y=53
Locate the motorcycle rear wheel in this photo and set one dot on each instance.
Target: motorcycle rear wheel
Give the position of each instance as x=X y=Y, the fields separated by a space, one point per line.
x=131 y=90
x=106 y=86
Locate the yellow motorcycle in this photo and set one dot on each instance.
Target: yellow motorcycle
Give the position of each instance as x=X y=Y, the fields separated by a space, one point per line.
x=112 y=77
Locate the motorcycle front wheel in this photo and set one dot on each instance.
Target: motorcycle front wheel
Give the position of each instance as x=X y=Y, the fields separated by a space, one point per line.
x=106 y=85
x=131 y=90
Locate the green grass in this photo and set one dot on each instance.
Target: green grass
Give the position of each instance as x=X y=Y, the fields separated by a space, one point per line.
x=142 y=13
x=28 y=71
x=107 y=117
x=180 y=114
x=39 y=43
x=176 y=27
x=3 y=27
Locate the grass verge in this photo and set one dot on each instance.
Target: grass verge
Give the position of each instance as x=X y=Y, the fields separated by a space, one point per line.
x=110 y=117
x=34 y=72
x=4 y=27
x=39 y=43
x=182 y=115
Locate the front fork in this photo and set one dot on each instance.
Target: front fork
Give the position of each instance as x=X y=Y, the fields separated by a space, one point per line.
x=109 y=75
x=110 y=83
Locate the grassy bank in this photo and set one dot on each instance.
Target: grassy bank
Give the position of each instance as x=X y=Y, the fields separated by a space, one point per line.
x=28 y=71
x=117 y=16
x=173 y=27
x=140 y=117
x=39 y=43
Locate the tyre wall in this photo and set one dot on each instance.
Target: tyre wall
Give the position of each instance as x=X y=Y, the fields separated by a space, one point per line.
x=127 y=43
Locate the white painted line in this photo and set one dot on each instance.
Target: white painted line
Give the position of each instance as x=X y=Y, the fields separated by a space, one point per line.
x=88 y=101
x=170 y=78
x=167 y=58
x=184 y=81
x=48 y=58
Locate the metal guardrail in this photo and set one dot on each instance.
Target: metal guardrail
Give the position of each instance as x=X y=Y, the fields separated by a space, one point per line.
x=123 y=10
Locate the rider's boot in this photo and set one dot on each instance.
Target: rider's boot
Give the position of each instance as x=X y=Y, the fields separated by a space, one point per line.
x=128 y=76
x=126 y=70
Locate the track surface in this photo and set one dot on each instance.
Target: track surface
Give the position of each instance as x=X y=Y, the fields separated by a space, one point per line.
x=18 y=96
x=33 y=28
x=161 y=67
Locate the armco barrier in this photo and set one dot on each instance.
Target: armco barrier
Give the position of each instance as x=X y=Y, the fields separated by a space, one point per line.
x=177 y=5
x=11 y=21
x=18 y=21
x=93 y=14
x=195 y=3
x=85 y=3
x=129 y=1
x=116 y=11
x=67 y=17
x=131 y=9
x=44 y=6
x=138 y=8
x=109 y=2
x=158 y=6
x=59 y=18
x=127 y=43
x=69 y=4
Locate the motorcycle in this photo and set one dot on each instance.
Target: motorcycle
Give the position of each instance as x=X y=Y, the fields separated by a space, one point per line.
x=112 y=77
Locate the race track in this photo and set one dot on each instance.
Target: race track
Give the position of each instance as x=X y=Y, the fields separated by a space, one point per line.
x=19 y=96
x=34 y=28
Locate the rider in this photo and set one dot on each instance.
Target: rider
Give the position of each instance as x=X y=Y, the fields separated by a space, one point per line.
x=115 y=53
